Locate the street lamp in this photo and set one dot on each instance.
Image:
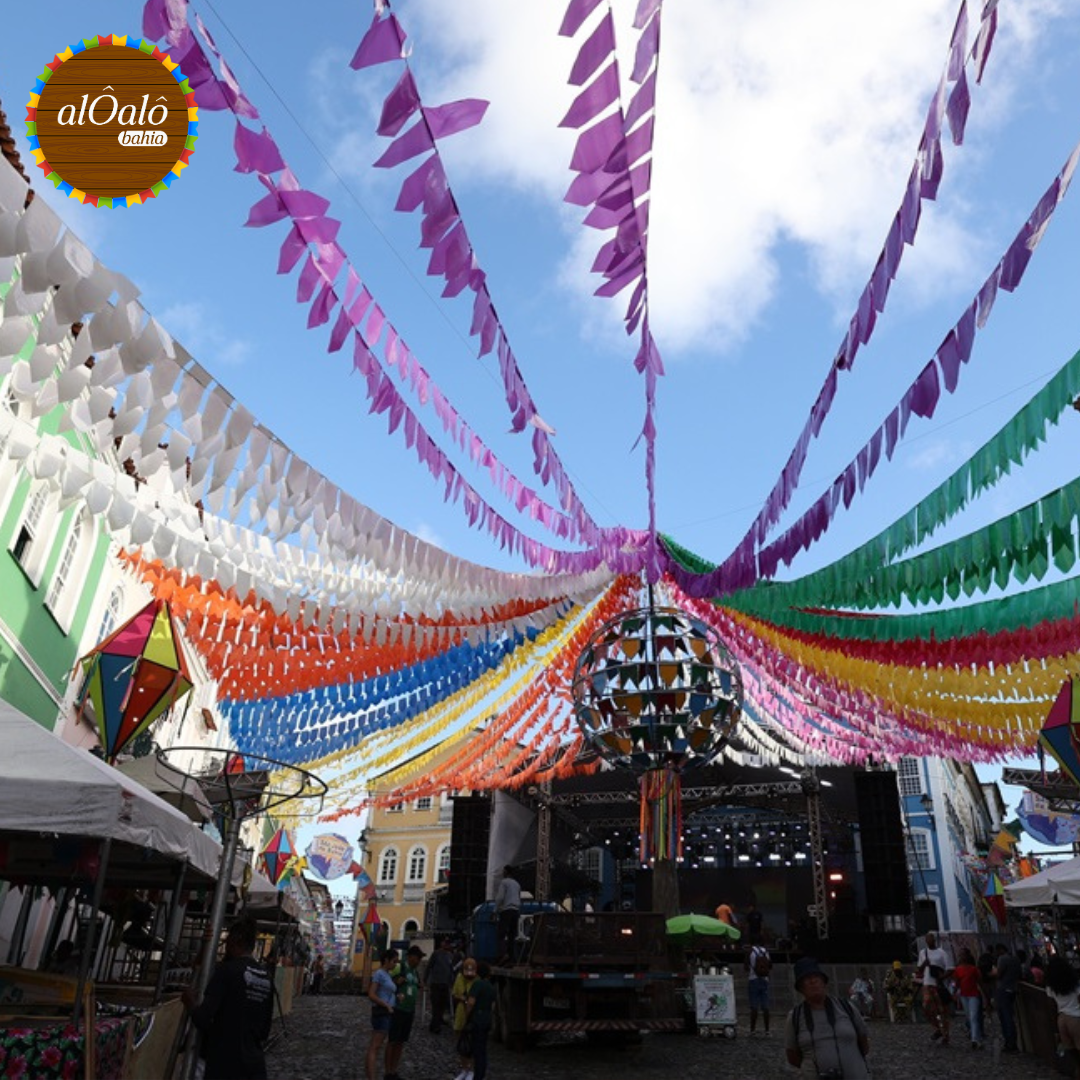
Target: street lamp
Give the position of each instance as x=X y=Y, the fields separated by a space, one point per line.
x=927 y=802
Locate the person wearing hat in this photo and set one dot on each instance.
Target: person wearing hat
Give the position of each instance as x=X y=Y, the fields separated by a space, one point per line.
x=900 y=992
x=825 y=1037
x=407 y=983
x=383 y=995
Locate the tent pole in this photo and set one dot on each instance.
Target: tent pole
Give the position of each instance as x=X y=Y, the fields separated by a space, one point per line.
x=18 y=933
x=60 y=904
x=87 y=952
x=166 y=944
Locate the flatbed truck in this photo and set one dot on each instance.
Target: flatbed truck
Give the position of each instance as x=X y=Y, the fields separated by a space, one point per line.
x=604 y=973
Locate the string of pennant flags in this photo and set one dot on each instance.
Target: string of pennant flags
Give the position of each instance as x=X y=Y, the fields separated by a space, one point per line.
x=339 y=640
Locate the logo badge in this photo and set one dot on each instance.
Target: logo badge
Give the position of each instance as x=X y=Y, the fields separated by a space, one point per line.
x=112 y=123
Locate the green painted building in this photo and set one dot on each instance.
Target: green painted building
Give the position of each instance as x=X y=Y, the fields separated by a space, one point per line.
x=52 y=557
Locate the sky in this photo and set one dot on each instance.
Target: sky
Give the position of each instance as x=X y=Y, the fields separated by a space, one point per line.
x=785 y=132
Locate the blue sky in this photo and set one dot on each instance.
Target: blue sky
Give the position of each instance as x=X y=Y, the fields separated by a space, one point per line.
x=785 y=133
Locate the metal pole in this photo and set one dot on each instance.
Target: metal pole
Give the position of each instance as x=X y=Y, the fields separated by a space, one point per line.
x=543 y=844
x=86 y=957
x=817 y=858
x=217 y=921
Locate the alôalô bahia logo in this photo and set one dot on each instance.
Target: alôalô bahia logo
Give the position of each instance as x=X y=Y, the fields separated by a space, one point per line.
x=112 y=122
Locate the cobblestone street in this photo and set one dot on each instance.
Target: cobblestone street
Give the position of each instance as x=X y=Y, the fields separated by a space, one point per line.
x=326 y=1039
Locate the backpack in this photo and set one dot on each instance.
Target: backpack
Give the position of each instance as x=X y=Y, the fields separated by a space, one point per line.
x=803 y=1009
x=762 y=964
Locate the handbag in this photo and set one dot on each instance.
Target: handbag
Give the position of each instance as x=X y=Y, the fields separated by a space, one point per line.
x=465 y=1042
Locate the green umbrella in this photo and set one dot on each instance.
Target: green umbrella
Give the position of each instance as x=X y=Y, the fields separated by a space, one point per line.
x=686 y=929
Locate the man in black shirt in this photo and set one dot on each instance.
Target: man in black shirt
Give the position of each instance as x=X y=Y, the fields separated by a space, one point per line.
x=235 y=1013
x=1007 y=972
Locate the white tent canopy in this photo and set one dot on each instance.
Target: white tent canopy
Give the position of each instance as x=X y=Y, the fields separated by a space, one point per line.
x=1058 y=884
x=48 y=787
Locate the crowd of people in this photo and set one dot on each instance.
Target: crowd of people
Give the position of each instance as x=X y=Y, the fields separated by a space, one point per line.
x=459 y=992
x=825 y=1035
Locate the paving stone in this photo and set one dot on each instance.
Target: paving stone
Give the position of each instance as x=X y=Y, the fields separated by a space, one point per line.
x=326 y=1038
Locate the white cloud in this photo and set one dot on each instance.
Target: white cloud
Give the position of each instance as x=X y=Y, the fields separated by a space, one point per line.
x=425 y=532
x=778 y=123
x=196 y=327
x=924 y=455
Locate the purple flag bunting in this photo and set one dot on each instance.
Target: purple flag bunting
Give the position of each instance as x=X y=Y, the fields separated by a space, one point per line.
x=415 y=141
x=647 y=47
x=383 y=42
x=412 y=190
x=643 y=101
x=256 y=151
x=596 y=97
x=577 y=12
x=399 y=105
x=646 y=9
x=455 y=116
x=598 y=46
x=958 y=107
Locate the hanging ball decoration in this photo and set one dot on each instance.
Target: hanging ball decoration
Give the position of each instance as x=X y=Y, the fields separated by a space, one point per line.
x=657 y=688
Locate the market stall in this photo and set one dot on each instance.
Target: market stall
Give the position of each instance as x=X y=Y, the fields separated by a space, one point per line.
x=72 y=823
x=1052 y=895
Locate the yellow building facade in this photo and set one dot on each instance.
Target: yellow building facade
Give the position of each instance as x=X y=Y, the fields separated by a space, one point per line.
x=406 y=851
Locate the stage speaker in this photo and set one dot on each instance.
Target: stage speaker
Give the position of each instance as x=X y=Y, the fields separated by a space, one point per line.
x=469 y=833
x=881 y=832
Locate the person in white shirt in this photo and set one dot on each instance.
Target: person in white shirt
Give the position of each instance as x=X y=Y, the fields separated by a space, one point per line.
x=507 y=909
x=1063 y=984
x=932 y=970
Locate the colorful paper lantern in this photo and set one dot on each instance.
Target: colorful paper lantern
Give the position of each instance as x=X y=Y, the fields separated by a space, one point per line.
x=134 y=677
x=1060 y=734
x=279 y=858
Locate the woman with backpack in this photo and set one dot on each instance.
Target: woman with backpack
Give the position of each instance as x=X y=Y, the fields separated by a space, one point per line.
x=825 y=1038
x=759 y=965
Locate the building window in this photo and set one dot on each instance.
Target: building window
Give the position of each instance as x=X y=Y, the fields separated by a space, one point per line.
x=23 y=549
x=909 y=775
x=395 y=808
x=417 y=864
x=388 y=866
x=410 y=928
x=112 y=614
x=424 y=802
x=442 y=865
x=920 y=856
x=63 y=568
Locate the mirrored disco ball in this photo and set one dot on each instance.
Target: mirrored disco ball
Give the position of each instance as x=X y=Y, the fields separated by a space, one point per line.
x=655 y=688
